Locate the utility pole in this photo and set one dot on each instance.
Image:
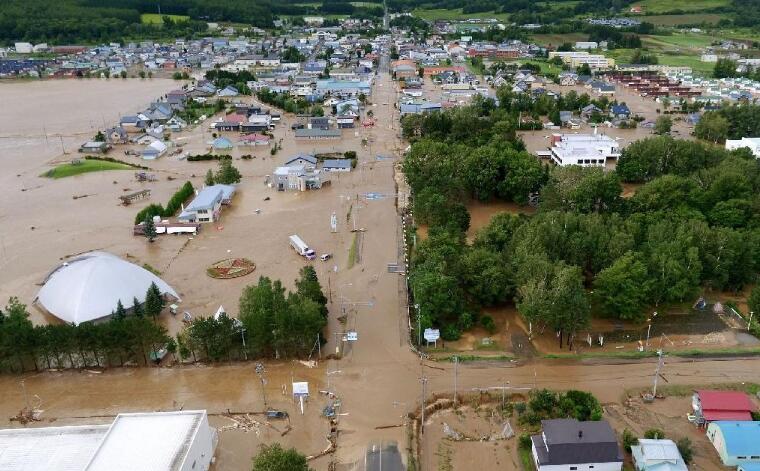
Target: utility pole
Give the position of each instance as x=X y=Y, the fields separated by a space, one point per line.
x=657 y=372
x=456 y=364
x=423 y=380
x=749 y=324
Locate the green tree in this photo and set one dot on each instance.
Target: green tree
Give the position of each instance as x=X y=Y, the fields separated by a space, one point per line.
x=557 y=299
x=663 y=125
x=753 y=302
x=227 y=174
x=712 y=127
x=137 y=308
x=100 y=137
x=724 y=68
x=275 y=458
x=623 y=288
x=485 y=277
x=685 y=448
x=149 y=228
x=582 y=189
x=120 y=312
x=260 y=304
x=141 y=74
x=308 y=287
x=209 y=178
x=154 y=301
x=123 y=74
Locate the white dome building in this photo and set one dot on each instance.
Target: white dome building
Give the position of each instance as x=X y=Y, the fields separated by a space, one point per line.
x=89 y=286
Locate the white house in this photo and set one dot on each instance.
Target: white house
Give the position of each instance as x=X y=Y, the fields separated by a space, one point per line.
x=657 y=455
x=753 y=143
x=571 y=445
x=154 y=150
x=587 y=150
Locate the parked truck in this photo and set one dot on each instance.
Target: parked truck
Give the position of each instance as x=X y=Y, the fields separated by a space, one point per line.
x=302 y=248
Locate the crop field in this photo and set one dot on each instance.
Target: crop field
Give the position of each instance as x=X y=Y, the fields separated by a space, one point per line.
x=155 y=18
x=664 y=6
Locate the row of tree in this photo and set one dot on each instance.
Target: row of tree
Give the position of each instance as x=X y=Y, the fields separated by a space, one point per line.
x=119 y=341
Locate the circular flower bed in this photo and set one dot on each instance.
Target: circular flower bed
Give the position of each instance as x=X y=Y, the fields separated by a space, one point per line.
x=230 y=268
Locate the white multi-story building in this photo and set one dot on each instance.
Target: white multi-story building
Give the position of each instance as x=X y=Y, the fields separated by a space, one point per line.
x=586 y=150
x=753 y=143
x=577 y=58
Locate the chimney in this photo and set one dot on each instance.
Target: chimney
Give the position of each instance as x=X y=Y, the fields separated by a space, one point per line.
x=580 y=434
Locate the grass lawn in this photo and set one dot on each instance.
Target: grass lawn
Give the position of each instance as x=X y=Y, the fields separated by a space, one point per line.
x=685 y=19
x=85 y=166
x=662 y=6
x=155 y=18
x=455 y=14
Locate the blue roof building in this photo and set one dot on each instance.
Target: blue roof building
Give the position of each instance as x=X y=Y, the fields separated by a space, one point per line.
x=737 y=442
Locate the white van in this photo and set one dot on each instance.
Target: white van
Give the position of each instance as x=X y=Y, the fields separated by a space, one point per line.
x=302 y=248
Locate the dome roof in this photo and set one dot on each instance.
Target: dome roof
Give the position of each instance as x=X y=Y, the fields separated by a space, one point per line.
x=89 y=286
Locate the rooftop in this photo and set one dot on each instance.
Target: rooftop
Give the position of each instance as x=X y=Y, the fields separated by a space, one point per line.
x=163 y=439
x=58 y=448
x=742 y=437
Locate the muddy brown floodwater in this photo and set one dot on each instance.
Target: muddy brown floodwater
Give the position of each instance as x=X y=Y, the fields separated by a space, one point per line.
x=378 y=378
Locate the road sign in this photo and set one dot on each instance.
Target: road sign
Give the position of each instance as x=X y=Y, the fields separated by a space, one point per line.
x=432 y=335
x=352 y=336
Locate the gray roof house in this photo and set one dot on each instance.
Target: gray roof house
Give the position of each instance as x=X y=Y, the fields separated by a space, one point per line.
x=568 y=444
x=302 y=159
x=206 y=207
x=313 y=134
x=336 y=165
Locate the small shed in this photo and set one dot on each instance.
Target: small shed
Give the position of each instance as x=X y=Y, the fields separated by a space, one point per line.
x=722 y=405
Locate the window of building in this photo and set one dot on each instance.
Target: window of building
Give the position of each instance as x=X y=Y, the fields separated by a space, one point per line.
x=573 y=468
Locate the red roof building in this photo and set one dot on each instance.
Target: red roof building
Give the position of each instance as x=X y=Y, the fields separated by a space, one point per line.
x=722 y=405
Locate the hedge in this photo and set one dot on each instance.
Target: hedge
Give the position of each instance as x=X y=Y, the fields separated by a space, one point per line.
x=174 y=204
x=202 y=157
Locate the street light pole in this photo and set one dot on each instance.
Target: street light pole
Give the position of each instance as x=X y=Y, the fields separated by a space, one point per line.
x=260 y=373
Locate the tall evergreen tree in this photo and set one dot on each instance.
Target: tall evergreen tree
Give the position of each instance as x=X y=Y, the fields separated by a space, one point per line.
x=150 y=228
x=137 y=308
x=154 y=302
x=309 y=288
x=120 y=312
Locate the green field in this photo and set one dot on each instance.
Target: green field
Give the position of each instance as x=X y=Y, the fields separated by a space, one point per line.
x=156 y=19
x=685 y=19
x=690 y=41
x=455 y=14
x=85 y=166
x=664 y=6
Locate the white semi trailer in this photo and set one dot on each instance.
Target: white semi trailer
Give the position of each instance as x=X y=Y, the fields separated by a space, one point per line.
x=302 y=248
